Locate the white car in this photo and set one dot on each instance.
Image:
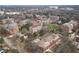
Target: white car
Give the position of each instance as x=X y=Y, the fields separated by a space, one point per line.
x=2 y=50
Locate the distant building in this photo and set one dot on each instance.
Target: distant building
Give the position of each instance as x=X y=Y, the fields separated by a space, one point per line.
x=47 y=41
x=53 y=7
x=67 y=9
x=12 y=13
x=40 y=17
x=1 y=12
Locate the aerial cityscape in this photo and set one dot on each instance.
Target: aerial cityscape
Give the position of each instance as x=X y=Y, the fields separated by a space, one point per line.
x=39 y=28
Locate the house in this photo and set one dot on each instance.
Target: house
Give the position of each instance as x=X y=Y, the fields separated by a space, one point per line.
x=75 y=23
x=68 y=27
x=53 y=7
x=36 y=26
x=22 y=22
x=45 y=21
x=11 y=27
x=76 y=42
x=16 y=41
x=53 y=19
x=3 y=21
x=47 y=41
x=40 y=17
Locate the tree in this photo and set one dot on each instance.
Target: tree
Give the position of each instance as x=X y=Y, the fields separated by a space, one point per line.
x=41 y=32
x=64 y=20
x=25 y=28
x=53 y=27
x=3 y=32
x=1 y=40
x=35 y=34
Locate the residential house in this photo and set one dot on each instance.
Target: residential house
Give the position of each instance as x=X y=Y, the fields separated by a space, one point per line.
x=11 y=27
x=3 y=21
x=53 y=19
x=36 y=26
x=16 y=41
x=76 y=42
x=23 y=22
x=47 y=42
x=68 y=27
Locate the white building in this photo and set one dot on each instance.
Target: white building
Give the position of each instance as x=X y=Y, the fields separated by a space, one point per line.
x=53 y=7
x=12 y=13
x=70 y=25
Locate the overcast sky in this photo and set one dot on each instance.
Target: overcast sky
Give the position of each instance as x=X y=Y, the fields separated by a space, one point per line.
x=39 y=2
